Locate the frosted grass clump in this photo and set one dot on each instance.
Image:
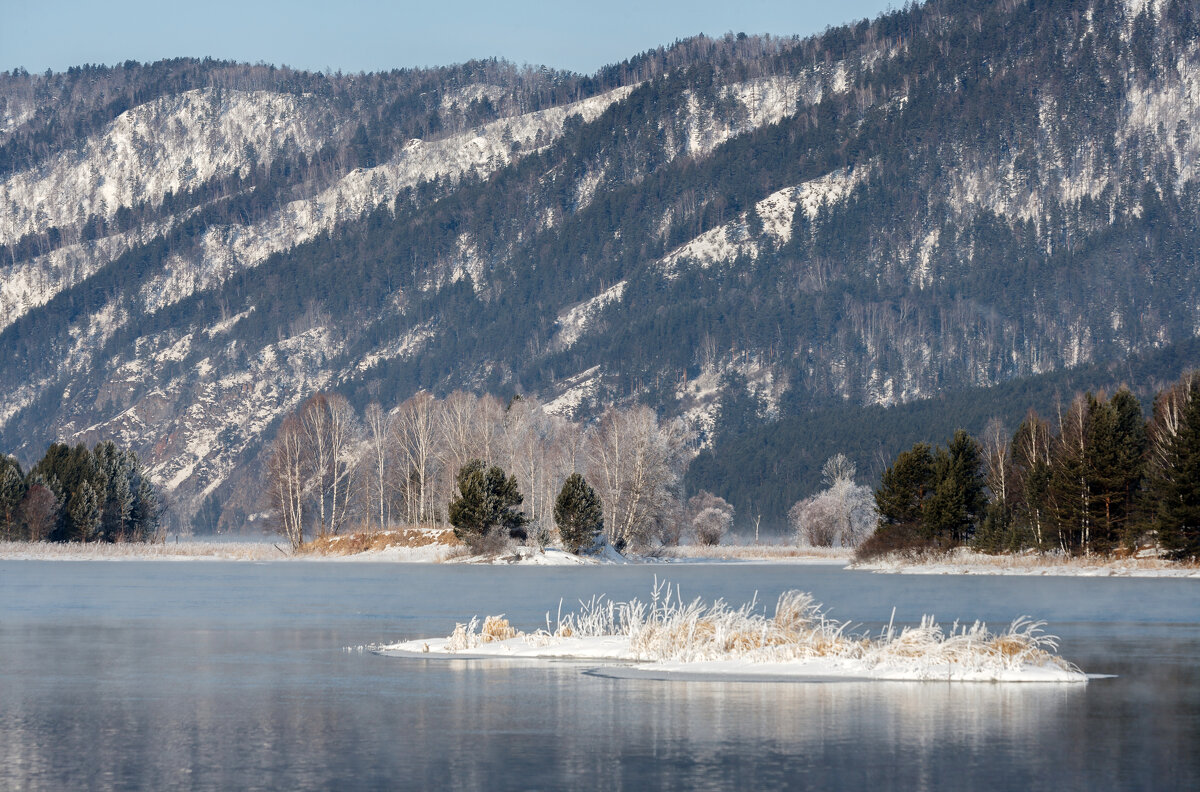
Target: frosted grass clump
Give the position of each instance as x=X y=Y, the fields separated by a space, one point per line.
x=669 y=629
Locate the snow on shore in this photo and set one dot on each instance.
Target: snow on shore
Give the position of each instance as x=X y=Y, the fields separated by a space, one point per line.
x=187 y=550
x=966 y=562
x=671 y=638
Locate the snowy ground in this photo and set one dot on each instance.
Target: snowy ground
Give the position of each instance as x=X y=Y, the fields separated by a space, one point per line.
x=171 y=550
x=965 y=562
x=669 y=637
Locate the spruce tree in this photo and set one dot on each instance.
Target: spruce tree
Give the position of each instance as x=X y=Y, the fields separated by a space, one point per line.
x=1177 y=488
x=1115 y=444
x=577 y=514
x=1132 y=443
x=903 y=490
x=84 y=512
x=12 y=491
x=953 y=512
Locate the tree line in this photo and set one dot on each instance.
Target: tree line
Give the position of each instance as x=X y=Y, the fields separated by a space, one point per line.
x=74 y=494
x=1106 y=478
x=473 y=461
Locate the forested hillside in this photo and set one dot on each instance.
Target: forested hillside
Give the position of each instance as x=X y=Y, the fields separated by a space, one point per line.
x=744 y=230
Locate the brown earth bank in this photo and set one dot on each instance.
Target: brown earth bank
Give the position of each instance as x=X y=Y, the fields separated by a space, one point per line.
x=367 y=541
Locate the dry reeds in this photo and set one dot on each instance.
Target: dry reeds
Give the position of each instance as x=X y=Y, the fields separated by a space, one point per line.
x=671 y=629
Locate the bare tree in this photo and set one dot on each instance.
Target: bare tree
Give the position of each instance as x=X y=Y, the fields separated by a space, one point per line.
x=345 y=435
x=415 y=435
x=1167 y=420
x=377 y=459
x=637 y=466
x=331 y=433
x=288 y=477
x=1032 y=457
x=997 y=454
x=314 y=418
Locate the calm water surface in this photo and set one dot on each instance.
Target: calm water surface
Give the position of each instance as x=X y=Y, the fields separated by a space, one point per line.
x=207 y=675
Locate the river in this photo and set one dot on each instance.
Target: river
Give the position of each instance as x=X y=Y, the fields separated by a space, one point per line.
x=215 y=675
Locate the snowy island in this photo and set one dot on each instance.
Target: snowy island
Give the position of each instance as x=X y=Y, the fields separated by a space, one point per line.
x=671 y=638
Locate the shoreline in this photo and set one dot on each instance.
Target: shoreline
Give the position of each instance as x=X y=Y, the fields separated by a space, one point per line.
x=966 y=562
x=956 y=563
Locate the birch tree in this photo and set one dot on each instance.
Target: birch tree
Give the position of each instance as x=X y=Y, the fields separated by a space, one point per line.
x=415 y=437
x=287 y=474
x=377 y=460
x=636 y=465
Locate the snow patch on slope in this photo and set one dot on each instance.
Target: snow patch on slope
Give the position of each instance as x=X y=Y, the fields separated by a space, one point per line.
x=171 y=144
x=403 y=348
x=28 y=284
x=573 y=323
x=759 y=102
x=578 y=388
x=199 y=424
x=725 y=243
x=227 y=249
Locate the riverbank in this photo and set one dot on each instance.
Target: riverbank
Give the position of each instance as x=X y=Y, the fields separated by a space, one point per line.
x=435 y=546
x=409 y=545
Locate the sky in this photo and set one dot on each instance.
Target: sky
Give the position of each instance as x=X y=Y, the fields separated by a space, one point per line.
x=372 y=35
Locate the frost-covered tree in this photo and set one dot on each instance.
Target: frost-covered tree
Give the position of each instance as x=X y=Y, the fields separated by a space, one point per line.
x=841 y=515
x=709 y=517
x=85 y=512
x=637 y=465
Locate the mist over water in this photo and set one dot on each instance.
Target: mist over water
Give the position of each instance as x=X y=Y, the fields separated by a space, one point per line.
x=234 y=675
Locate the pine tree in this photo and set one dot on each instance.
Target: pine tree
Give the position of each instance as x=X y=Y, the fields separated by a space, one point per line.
x=578 y=514
x=487 y=501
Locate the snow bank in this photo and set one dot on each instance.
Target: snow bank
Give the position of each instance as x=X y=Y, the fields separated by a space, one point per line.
x=669 y=636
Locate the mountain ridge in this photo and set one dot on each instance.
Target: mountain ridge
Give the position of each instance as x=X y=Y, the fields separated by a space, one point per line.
x=951 y=195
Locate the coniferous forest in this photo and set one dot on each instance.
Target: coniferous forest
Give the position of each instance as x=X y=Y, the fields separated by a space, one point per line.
x=74 y=494
x=1096 y=479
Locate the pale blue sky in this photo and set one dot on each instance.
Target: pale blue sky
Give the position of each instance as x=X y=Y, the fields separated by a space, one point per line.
x=369 y=35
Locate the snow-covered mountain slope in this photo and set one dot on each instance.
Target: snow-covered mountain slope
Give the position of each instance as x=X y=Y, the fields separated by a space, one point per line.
x=166 y=146
x=952 y=195
x=225 y=249
x=776 y=214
